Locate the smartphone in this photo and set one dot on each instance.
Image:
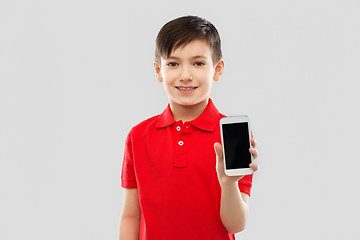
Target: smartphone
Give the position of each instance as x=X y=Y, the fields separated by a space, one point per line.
x=235 y=137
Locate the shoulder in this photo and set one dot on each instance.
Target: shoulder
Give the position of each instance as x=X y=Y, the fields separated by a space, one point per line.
x=217 y=110
x=144 y=126
x=221 y=115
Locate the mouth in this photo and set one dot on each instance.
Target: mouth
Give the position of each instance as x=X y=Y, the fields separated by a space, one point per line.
x=186 y=88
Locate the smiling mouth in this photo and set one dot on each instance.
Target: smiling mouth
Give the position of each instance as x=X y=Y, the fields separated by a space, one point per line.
x=186 y=88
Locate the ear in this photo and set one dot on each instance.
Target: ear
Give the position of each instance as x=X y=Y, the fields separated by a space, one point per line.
x=219 y=68
x=157 y=71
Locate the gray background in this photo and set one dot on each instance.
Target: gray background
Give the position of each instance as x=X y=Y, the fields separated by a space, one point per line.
x=75 y=76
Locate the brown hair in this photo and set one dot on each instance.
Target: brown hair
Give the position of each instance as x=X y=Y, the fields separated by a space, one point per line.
x=183 y=30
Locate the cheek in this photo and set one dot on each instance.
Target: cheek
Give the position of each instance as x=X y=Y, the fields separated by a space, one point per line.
x=206 y=77
x=168 y=80
x=168 y=76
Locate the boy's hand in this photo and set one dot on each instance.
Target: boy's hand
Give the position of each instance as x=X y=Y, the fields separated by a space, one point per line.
x=225 y=179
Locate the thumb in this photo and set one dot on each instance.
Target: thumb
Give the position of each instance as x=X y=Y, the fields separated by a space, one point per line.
x=218 y=150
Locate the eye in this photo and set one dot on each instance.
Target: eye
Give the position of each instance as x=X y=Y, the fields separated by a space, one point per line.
x=172 y=64
x=199 y=63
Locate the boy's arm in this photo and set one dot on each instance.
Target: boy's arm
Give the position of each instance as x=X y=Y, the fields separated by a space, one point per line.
x=234 y=204
x=233 y=208
x=129 y=226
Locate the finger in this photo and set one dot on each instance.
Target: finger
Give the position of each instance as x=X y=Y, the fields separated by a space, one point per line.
x=218 y=150
x=254 y=166
x=253 y=142
x=254 y=152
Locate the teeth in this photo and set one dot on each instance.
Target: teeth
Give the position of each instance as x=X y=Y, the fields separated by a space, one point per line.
x=186 y=89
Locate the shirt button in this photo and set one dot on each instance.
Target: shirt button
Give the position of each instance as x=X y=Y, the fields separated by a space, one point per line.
x=178 y=128
x=181 y=143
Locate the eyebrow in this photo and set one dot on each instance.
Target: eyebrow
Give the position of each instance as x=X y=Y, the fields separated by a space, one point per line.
x=194 y=57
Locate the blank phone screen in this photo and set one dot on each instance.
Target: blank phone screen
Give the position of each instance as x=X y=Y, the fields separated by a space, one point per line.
x=236 y=145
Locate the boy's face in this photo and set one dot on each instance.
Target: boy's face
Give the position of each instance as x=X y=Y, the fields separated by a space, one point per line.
x=188 y=72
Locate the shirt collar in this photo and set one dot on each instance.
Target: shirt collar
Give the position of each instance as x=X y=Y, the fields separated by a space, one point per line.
x=207 y=120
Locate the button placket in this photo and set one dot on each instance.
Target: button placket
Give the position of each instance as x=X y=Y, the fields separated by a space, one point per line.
x=187 y=129
x=180 y=160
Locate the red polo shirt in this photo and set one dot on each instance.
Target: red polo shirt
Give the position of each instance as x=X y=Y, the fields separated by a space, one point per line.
x=173 y=165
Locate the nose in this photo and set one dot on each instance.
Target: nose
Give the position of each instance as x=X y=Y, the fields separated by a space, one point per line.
x=186 y=74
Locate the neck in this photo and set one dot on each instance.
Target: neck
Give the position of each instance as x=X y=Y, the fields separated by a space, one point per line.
x=187 y=113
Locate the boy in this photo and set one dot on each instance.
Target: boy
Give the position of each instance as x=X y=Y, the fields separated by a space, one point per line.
x=173 y=173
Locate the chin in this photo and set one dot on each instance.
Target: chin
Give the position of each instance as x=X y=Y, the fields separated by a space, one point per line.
x=189 y=102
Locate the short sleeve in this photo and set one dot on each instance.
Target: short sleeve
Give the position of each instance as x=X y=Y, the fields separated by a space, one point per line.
x=245 y=184
x=128 y=177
